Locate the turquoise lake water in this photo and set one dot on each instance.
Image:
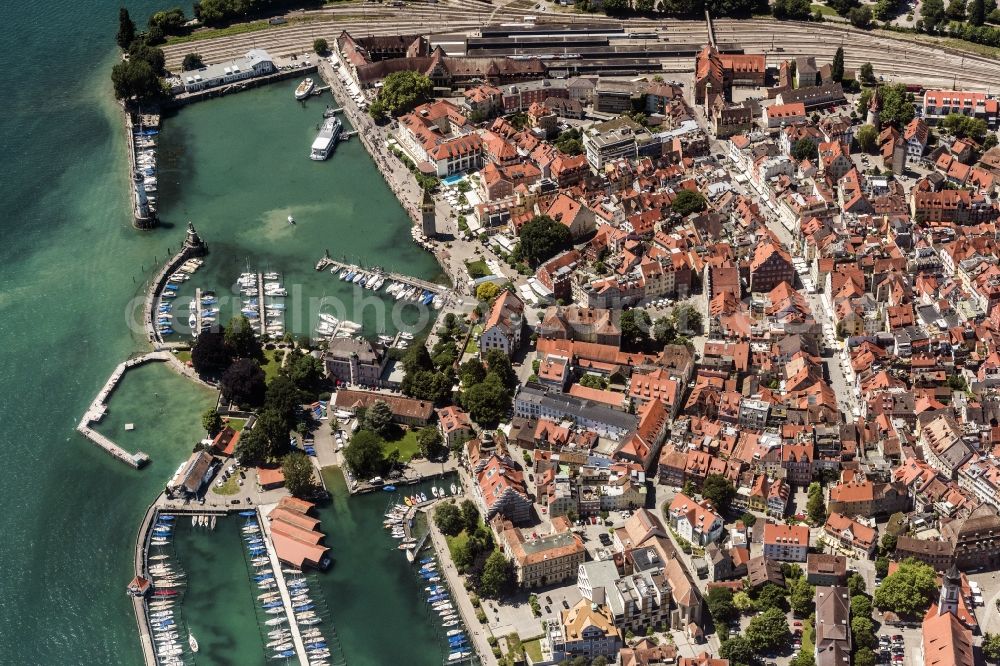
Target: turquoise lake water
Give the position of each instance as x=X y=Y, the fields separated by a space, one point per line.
x=71 y=263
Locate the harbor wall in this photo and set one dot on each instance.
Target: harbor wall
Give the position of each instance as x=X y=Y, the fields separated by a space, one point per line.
x=138 y=221
x=138 y=603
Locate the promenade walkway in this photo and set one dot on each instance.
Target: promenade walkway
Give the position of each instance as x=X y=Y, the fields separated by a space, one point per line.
x=479 y=633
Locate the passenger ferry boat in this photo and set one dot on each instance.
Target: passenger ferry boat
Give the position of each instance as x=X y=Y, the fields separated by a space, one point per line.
x=327 y=138
x=305 y=89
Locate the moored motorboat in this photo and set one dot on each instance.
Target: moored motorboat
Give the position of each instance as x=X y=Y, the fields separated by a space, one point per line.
x=305 y=89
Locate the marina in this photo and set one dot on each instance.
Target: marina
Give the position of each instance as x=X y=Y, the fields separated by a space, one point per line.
x=397 y=285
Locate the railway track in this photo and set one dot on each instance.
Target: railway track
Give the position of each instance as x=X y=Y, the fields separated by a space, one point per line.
x=895 y=59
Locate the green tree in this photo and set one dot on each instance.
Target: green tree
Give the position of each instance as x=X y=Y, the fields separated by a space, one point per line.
x=298 y=473
x=748 y=519
x=897 y=105
x=211 y=421
x=882 y=566
x=243 y=383
x=448 y=518
x=801 y=596
x=472 y=372
x=991 y=647
x=687 y=318
x=804 y=149
x=542 y=238
x=815 y=505
x=498 y=363
x=687 y=202
x=856 y=584
x=400 y=92
x=742 y=601
x=837 y=68
x=864 y=657
x=861 y=605
x=867 y=137
x=283 y=397
x=719 y=491
x=932 y=12
x=251 y=449
x=135 y=78
x=908 y=591
x=192 y=61
x=241 y=339
x=738 y=650
x=664 y=331
x=487 y=402
x=689 y=488
x=470 y=515
x=720 y=605
x=860 y=17
x=431 y=443
x=498 y=578
x=305 y=371
x=977 y=12
x=487 y=291
x=126 y=29
x=771 y=596
x=863 y=632
x=965 y=126
x=378 y=419
x=365 y=456
x=768 y=631
x=276 y=429
x=956 y=10
x=168 y=22
x=320 y=46
x=867 y=73
x=791 y=10
x=888 y=543
x=210 y=356
x=635 y=326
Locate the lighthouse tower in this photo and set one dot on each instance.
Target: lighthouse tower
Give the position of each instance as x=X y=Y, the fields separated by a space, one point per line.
x=427 y=216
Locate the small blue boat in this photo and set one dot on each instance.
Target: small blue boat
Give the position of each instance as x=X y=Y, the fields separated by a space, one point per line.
x=164 y=519
x=389 y=488
x=301 y=608
x=437 y=597
x=427 y=560
x=316 y=644
x=272 y=604
x=248 y=513
x=288 y=653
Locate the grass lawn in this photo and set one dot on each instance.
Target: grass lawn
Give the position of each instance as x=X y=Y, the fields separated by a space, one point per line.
x=473 y=344
x=477 y=268
x=406 y=445
x=456 y=542
x=271 y=365
x=230 y=487
x=823 y=9
x=184 y=356
x=807 y=637
x=533 y=649
x=236 y=424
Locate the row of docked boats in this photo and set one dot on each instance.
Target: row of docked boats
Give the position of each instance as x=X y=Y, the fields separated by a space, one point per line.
x=164 y=315
x=439 y=600
x=376 y=280
x=263 y=299
x=144 y=144
x=436 y=493
x=168 y=582
x=280 y=643
x=341 y=328
x=396 y=520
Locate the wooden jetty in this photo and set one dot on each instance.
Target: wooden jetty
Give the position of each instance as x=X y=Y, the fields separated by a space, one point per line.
x=286 y=597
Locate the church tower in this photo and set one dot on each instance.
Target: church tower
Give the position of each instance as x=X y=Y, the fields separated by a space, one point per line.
x=874 y=109
x=427 y=213
x=951 y=588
